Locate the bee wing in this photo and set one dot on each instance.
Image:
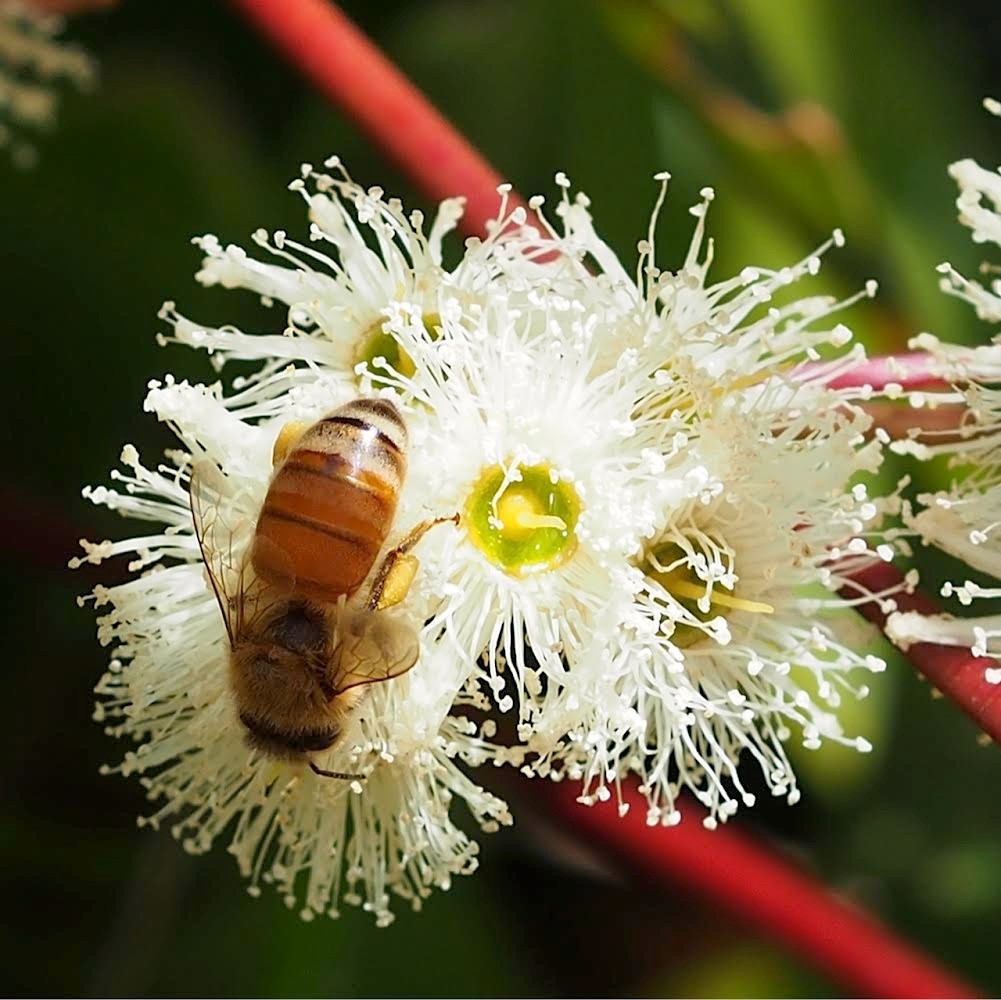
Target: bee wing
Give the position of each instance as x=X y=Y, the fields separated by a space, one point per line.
x=222 y=538
x=371 y=647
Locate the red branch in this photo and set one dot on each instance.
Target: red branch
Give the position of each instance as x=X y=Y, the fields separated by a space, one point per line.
x=762 y=890
x=723 y=865
x=955 y=671
x=343 y=64
x=910 y=370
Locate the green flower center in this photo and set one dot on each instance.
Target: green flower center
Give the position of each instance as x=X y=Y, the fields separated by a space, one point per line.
x=378 y=342
x=525 y=526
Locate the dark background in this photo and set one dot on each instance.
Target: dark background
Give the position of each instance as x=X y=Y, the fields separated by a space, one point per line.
x=804 y=115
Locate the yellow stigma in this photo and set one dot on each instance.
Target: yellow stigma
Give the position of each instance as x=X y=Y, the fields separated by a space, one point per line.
x=525 y=526
x=519 y=512
x=691 y=395
x=377 y=342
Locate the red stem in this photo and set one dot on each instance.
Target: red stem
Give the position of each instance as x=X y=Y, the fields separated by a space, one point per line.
x=738 y=875
x=345 y=66
x=762 y=890
x=954 y=670
x=909 y=369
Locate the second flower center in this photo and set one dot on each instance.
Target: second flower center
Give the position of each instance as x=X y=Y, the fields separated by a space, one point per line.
x=378 y=342
x=669 y=565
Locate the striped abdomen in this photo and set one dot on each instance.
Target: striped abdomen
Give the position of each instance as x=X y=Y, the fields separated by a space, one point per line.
x=332 y=502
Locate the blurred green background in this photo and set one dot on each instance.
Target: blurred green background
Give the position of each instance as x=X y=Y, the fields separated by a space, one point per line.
x=804 y=115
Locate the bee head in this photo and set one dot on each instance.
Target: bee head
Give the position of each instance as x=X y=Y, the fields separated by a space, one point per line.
x=277 y=679
x=275 y=741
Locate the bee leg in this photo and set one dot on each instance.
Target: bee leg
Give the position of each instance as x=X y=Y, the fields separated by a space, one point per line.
x=334 y=774
x=398 y=569
x=400 y=576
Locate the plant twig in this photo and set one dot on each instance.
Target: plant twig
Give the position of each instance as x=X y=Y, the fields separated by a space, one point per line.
x=908 y=369
x=734 y=872
x=763 y=890
x=345 y=66
x=954 y=670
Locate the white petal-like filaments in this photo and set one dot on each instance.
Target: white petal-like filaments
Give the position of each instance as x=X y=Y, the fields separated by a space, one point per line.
x=964 y=520
x=320 y=841
x=755 y=498
x=681 y=616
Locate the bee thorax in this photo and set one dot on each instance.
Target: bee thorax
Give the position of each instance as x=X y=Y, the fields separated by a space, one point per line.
x=300 y=629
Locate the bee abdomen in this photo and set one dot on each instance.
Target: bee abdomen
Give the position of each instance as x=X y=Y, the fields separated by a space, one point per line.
x=332 y=502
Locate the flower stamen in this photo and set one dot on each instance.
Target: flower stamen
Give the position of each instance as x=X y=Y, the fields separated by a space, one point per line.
x=685 y=588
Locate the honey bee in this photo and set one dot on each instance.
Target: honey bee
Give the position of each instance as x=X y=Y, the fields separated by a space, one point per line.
x=304 y=643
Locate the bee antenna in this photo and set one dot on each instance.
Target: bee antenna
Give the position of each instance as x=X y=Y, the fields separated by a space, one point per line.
x=334 y=774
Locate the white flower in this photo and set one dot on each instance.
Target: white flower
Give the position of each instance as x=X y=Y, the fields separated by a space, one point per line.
x=32 y=62
x=620 y=448
x=322 y=840
x=657 y=509
x=560 y=486
x=337 y=287
x=731 y=636
x=964 y=519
